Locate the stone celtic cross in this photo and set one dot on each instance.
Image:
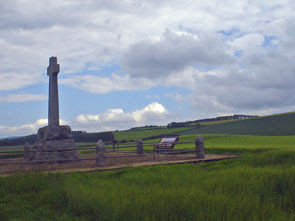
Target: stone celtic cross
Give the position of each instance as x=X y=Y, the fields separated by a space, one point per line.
x=54 y=143
x=53 y=109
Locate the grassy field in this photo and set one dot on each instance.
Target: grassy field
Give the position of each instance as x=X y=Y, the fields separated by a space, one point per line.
x=258 y=186
x=135 y=134
x=215 y=122
x=243 y=143
x=215 y=143
x=273 y=125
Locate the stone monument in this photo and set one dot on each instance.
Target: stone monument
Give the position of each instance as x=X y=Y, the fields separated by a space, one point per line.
x=54 y=142
x=139 y=146
x=200 y=147
x=100 y=154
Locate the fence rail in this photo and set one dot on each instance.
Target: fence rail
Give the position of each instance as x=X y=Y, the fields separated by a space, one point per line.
x=100 y=149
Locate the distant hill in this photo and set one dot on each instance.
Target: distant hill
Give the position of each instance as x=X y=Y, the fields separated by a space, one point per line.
x=207 y=121
x=79 y=136
x=279 y=124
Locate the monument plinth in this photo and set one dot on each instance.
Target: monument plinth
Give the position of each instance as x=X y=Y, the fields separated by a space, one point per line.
x=54 y=142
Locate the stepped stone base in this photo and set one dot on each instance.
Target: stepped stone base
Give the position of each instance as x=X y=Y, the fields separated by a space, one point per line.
x=51 y=145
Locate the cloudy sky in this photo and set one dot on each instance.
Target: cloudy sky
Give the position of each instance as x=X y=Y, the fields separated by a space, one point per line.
x=130 y=63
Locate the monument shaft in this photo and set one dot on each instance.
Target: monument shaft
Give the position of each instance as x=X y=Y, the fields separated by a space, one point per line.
x=53 y=106
x=53 y=109
x=54 y=143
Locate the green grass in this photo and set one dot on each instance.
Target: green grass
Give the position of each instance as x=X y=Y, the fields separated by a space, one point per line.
x=11 y=148
x=273 y=125
x=136 y=134
x=237 y=144
x=258 y=186
x=215 y=143
x=216 y=122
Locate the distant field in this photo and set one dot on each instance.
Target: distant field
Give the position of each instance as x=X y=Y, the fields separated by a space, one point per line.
x=224 y=142
x=228 y=143
x=275 y=125
x=215 y=122
x=135 y=134
x=244 y=141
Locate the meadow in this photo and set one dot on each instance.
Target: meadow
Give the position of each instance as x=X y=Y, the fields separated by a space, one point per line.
x=128 y=135
x=258 y=186
x=272 y=125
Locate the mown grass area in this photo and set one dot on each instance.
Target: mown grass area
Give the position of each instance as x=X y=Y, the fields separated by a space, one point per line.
x=259 y=186
x=21 y=148
x=11 y=148
x=273 y=125
x=128 y=135
x=237 y=144
x=215 y=143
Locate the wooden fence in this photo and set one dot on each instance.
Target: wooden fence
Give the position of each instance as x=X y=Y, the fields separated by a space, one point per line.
x=127 y=150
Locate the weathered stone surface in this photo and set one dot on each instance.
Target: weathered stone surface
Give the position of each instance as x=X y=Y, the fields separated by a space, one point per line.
x=54 y=142
x=53 y=108
x=55 y=150
x=139 y=146
x=200 y=147
x=100 y=154
x=54 y=132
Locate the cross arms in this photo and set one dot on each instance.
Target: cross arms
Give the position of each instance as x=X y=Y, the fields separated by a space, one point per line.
x=53 y=68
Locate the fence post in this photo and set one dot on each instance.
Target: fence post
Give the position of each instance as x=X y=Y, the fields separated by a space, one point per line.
x=100 y=154
x=139 y=146
x=114 y=146
x=200 y=147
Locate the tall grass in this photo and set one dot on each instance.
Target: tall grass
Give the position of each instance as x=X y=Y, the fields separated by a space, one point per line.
x=259 y=186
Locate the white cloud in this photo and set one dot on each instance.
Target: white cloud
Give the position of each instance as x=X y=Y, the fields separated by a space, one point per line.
x=152 y=113
x=102 y=85
x=25 y=129
x=113 y=119
x=11 y=81
x=22 y=98
x=193 y=55
x=91 y=33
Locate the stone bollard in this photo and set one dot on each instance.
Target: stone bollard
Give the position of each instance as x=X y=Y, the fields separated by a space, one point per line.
x=100 y=154
x=200 y=148
x=139 y=146
x=27 y=152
